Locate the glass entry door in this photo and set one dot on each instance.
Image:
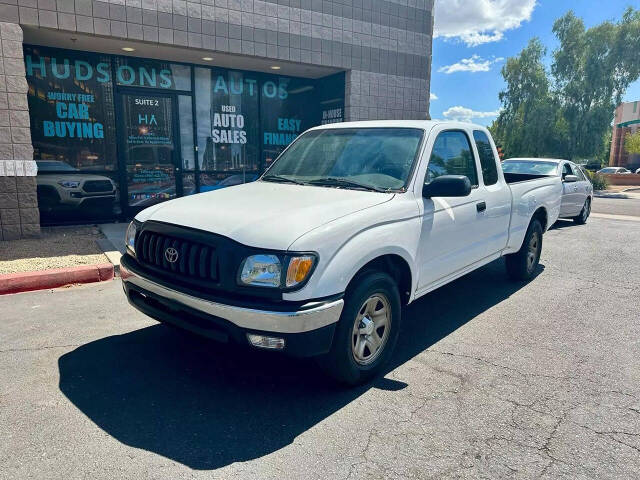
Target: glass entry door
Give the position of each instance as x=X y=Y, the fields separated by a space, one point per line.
x=149 y=147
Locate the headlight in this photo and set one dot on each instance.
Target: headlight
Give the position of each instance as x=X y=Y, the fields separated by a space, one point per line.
x=267 y=270
x=261 y=271
x=130 y=237
x=69 y=183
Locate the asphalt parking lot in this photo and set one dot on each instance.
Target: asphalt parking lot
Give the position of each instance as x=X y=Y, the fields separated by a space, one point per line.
x=491 y=379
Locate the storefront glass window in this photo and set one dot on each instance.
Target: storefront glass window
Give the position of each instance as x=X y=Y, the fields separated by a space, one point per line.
x=146 y=73
x=227 y=112
x=73 y=134
x=149 y=148
x=71 y=107
x=114 y=134
x=186 y=132
x=288 y=107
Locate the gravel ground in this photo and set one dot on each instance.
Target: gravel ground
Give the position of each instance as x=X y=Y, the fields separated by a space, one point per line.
x=58 y=247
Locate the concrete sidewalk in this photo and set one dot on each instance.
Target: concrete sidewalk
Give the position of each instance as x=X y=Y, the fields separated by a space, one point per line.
x=113 y=243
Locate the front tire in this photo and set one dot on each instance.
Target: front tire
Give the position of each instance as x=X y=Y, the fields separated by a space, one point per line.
x=367 y=331
x=522 y=265
x=584 y=213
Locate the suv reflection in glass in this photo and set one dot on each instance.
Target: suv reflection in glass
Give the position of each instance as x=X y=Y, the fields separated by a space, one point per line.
x=62 y=187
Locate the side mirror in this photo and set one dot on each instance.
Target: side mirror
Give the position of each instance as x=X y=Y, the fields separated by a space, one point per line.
x=447 y=186
x=570 y=179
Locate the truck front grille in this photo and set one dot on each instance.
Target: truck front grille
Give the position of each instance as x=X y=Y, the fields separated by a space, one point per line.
x=95 y=186
x=177 y=256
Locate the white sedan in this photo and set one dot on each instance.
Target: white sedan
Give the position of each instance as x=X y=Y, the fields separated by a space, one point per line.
x=577 y=191
x=614 y=171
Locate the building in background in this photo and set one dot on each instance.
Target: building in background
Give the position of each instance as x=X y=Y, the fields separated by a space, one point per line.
x=127 y=103
x=627 y=121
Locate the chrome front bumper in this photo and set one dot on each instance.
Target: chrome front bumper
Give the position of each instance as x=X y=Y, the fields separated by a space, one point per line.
x=309 y=317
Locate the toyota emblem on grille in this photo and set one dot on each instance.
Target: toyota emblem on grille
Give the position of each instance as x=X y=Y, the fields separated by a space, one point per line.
x=171 y=254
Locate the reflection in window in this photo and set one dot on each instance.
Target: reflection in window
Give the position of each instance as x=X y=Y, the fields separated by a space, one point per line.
x=487 y=158
x=216 y=181
x=186 y=132
x=289 y=106
x=451 y=155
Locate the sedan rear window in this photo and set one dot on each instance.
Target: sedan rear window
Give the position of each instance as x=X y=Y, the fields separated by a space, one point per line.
x=529 y=167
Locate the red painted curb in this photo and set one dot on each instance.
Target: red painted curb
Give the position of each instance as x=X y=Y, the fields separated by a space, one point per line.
x=27 y=281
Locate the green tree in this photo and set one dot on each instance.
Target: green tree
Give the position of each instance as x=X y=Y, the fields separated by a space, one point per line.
x=592 y=69
x=528 y=122
x=632 y=143
x=567 y=111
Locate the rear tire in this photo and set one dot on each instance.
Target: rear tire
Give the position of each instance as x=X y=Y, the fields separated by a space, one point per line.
x=522 y=265
x=584 y=213
x=367 y=331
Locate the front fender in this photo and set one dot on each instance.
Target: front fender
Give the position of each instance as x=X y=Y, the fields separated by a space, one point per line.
x=347 y=245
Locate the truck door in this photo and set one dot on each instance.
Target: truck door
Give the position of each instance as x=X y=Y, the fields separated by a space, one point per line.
x=494 y=220
x=451 y=238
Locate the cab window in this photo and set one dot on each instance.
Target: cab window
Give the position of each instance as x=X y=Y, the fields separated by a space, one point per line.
x=452 y=155
x=487 y=158
x=566 y=170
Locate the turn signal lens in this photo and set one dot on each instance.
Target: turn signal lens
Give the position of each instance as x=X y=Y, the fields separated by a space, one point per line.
x=299 y=269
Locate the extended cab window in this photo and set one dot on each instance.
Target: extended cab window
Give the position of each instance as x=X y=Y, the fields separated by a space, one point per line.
x=487 y=158
x=452 y=155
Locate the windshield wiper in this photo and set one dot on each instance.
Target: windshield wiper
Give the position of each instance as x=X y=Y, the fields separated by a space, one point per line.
x=281 y=179
x=345 y=182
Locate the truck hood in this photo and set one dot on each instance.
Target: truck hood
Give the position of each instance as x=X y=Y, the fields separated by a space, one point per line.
x=263 y=214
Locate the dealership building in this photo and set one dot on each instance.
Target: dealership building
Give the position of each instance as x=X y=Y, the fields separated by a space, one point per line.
x=128 y=103
x=626 y=122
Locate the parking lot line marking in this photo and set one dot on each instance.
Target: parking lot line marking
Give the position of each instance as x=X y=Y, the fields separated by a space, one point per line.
x=628 y=218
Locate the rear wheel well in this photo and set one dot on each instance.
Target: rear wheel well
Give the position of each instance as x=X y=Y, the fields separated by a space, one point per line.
x=542 y=217
x=397 y=267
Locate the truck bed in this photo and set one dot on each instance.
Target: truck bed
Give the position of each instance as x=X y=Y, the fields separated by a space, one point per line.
x=523 y=177
x=530 y=192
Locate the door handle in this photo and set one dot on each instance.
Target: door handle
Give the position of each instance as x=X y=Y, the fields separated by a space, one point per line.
x=481 y=206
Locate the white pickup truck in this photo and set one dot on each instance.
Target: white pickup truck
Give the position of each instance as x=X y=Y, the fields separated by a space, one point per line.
x=351 y=222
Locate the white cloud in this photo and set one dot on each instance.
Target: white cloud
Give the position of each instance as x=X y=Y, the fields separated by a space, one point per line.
x=433 y=97
x=475 y=22
x=464 y=114
x=474 y=64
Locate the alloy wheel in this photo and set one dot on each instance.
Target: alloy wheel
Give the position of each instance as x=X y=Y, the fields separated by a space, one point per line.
x=532 y=250
x=371 y=329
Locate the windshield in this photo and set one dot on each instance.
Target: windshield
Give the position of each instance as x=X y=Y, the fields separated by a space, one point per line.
x=54 y=165
x=378 y=158
x=530 y=167
x=608 y=170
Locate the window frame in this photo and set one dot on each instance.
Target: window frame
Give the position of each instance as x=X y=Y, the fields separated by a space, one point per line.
x=471 y=149
x=493 y=155
x=563 y=174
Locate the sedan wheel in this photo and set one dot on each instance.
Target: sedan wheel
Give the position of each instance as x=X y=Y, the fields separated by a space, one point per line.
x=584 y=214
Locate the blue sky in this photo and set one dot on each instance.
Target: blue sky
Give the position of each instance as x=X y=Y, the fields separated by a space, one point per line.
x=474 y=37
